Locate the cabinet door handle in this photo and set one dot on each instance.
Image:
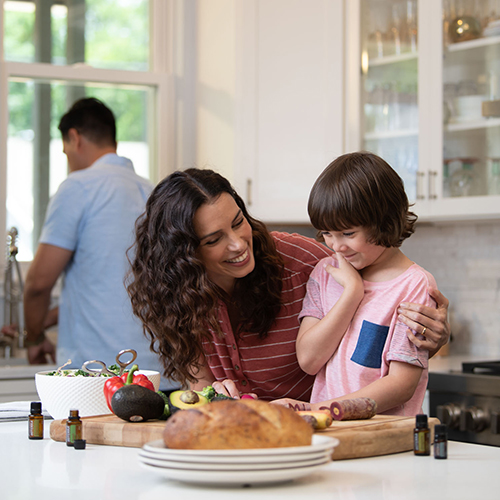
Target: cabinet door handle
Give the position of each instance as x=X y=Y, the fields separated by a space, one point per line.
x=432 y=185
x=420 y=178
x=249 y=192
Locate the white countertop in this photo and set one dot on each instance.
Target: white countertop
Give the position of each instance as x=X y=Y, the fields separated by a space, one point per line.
x=49 y=470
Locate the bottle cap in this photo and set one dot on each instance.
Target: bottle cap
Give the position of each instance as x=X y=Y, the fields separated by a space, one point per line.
x=79 y=444
x=73 y=413
x=421 y=420
x=440 y=430
x=36 y=407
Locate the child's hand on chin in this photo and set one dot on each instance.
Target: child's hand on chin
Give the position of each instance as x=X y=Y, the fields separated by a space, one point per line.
x=293 y=404
x=346 y=275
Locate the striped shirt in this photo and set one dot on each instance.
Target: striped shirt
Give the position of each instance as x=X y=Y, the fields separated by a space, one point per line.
x=269 y=366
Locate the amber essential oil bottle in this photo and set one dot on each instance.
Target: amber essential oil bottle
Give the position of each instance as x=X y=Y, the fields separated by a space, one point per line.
x=35 y=421
x=421 y=436
x=73 y=428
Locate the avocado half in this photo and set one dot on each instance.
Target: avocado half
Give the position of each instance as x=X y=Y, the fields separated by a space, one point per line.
x=186 y=400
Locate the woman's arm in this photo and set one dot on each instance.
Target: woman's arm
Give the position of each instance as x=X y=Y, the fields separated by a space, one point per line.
x=435 y=320
x=318 y=339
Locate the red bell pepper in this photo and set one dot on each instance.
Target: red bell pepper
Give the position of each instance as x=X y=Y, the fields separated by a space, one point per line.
x=114 y=383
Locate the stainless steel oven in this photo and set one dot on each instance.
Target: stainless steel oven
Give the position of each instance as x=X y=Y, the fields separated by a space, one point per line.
x=468 y=402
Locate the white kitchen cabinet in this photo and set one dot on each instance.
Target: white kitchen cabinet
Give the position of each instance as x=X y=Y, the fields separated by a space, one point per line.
x=415 y=97
x=289 y=102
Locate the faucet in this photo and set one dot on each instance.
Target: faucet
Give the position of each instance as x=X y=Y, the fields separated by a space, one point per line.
x=13 y=294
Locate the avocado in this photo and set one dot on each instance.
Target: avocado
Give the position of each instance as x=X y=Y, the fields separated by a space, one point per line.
x=185 y=400
x=137 y=404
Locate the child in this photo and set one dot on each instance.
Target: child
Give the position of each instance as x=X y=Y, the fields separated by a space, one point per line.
x=350 y=335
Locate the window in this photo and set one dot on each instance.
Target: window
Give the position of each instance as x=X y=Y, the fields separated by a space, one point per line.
x=54 y=52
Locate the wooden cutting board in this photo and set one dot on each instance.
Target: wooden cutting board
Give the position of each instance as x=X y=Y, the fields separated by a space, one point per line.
x=380 y=435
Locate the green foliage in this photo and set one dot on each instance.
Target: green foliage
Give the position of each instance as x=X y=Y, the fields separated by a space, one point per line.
x=19 y=36
x=20 y=101
x=117 y=34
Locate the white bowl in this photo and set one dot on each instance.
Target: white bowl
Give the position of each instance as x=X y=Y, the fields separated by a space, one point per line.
x=86 y=394
x=469 y=107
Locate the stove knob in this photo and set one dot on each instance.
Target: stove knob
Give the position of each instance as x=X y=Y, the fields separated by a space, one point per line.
x=449 y=415
x=495 y=422
x=473 y=419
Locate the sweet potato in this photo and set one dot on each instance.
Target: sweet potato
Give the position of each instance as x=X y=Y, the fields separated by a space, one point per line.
x=352 y=409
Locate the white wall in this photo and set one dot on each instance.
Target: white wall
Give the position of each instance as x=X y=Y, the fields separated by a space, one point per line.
x=204 y=81
x=215 y=90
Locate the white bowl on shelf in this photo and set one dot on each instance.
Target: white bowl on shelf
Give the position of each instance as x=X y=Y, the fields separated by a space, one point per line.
x=59 y=394
x=468 y=107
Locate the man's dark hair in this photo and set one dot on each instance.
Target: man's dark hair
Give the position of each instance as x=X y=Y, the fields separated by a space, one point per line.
x=92 y=119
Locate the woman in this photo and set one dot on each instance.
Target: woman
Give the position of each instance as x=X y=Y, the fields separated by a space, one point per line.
x=219 y=296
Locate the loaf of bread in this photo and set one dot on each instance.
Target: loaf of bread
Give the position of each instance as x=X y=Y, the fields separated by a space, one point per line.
x=236 y=424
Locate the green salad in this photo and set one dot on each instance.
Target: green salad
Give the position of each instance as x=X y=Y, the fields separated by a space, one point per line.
x=81 y=373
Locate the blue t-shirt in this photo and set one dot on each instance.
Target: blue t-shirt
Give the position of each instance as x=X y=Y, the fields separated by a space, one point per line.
x=93 y=214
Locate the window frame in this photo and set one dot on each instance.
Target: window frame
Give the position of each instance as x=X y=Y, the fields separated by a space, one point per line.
x=158 y=77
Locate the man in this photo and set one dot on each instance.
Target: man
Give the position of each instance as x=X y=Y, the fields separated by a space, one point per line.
x=88 y=228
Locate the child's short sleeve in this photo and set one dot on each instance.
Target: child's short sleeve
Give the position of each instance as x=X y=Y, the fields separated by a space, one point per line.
x=314 y=301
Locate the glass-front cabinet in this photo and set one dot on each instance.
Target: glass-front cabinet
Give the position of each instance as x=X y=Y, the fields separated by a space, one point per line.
x=389 y=85
x=427 y=81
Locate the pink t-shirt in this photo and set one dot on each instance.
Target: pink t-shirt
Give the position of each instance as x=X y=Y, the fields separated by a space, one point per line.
x=375 y=336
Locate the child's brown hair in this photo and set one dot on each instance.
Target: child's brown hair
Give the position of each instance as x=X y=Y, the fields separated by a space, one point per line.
x=362 y=189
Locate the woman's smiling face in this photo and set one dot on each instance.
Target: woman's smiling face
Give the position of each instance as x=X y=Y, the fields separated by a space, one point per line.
x=226 y=245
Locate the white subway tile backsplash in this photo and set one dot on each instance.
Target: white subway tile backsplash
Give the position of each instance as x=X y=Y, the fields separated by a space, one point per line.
x=465 y=260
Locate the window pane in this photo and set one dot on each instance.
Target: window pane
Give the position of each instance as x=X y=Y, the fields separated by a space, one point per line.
x=112 y=34
x=36 y=164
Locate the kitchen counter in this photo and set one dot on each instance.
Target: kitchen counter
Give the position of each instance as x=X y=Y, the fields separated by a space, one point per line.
x=49 y=470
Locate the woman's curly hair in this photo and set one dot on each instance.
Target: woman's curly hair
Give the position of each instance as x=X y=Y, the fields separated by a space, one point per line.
x=168 y=285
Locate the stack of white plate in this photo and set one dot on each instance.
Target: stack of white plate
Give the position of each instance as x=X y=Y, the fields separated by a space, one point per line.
x=249 y=466
x=493 y=29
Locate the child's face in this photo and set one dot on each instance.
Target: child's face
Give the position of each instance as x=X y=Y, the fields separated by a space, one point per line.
x=353 y=245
